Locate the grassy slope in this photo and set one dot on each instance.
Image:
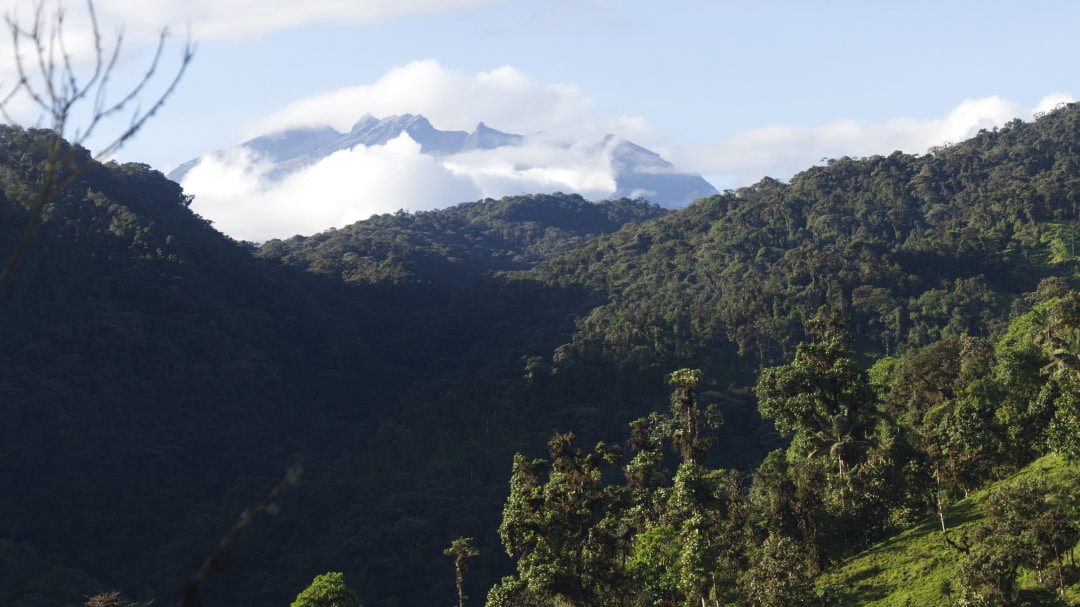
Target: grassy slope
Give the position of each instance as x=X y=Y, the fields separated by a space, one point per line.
x=917 y=568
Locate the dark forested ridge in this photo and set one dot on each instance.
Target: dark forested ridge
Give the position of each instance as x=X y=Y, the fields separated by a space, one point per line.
x=914 y=248
x=458 y=244
x=157 y=377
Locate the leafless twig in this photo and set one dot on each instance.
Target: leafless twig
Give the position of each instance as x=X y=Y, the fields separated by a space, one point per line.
x=47 y=76
x=220 y=558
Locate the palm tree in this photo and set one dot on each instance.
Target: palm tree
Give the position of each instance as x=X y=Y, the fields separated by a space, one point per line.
x=845 y=442
x=1060 y=338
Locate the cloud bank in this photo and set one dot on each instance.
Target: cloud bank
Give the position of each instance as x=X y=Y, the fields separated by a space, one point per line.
x=234 y=189
x=232 y=19
x=505 y=98
x=781 y=151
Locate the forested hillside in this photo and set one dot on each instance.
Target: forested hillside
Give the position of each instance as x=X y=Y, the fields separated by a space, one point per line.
x=917 y=567
x=459 y=244
x=914 y=248
x=156 y=378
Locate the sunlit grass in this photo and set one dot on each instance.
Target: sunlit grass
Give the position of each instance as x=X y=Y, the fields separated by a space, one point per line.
x=918 y=568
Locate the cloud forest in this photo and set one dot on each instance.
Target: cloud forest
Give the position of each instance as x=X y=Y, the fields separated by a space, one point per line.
x=376 y=352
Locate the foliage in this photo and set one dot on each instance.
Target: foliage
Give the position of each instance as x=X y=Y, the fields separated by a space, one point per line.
x=778 y=576
x=327 y=590
x=915 y=567
x=458 y=244
x=157 y=376
x=462 y=549
x=110 y=599
x=913 y=248
x=1024 y=525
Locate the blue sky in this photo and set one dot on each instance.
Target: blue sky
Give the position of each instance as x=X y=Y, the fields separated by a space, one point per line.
x=694 y=70
x=731 y=89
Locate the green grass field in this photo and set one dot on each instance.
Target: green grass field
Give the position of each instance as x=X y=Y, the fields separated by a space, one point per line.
x=917 y=568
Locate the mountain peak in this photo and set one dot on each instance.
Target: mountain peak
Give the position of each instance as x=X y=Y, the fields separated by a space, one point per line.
x=487 y=138
x=637 y=171
x=408 y=120
x=366 y=121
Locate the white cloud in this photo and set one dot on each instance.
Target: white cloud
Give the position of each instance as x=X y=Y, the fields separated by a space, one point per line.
x=141 y=21
x=1052 y=102
x=504 y=98
x=781 y=151
x=236 y=192
x=231 y=19
x=233 y=189
x=539 y=165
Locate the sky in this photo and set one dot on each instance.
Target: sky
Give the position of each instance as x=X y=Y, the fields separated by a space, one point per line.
x=731 y=89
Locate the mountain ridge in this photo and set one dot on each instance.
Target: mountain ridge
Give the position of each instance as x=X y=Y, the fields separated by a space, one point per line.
x=146 y=350
x=637 y=171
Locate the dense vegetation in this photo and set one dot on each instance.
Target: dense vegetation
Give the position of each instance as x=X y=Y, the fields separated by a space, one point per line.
x=457 y=244
x=914 y=248
x=917 y=567
x=876 y=339
x=871 y=455
x=156 y=379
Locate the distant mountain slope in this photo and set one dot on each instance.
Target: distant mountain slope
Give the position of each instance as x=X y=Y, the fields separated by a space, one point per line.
x=458 y=244
x=913 y=247
x=640 y=173
x=636 y=171
x=297 y=147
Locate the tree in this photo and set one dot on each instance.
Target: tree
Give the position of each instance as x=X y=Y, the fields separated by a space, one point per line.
x=1025 y=525
x=706 y=508
x=462 y=550
x=654 y=565
x=1064 y=430
x=111 y=599
x=961 y=442
x=778 y=575
x=686 y=423
x=824 y=400
x=49 y=79
x=1060 y=339
x=327 y=590
x=558 y=527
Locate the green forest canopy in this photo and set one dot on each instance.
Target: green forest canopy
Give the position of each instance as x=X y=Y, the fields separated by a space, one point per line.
x=158 y=377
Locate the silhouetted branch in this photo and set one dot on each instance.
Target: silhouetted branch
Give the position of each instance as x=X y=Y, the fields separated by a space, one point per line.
x=47 y=76
x=219 y=559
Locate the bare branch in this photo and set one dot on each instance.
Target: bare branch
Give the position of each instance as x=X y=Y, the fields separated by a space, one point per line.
x=47 y=76
x=222 y=555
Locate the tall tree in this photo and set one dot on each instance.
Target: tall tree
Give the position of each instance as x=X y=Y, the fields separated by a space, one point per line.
x=462 y=550
x=686 y=418
x=557 y=530
x=778 y=575
x=823 y=400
